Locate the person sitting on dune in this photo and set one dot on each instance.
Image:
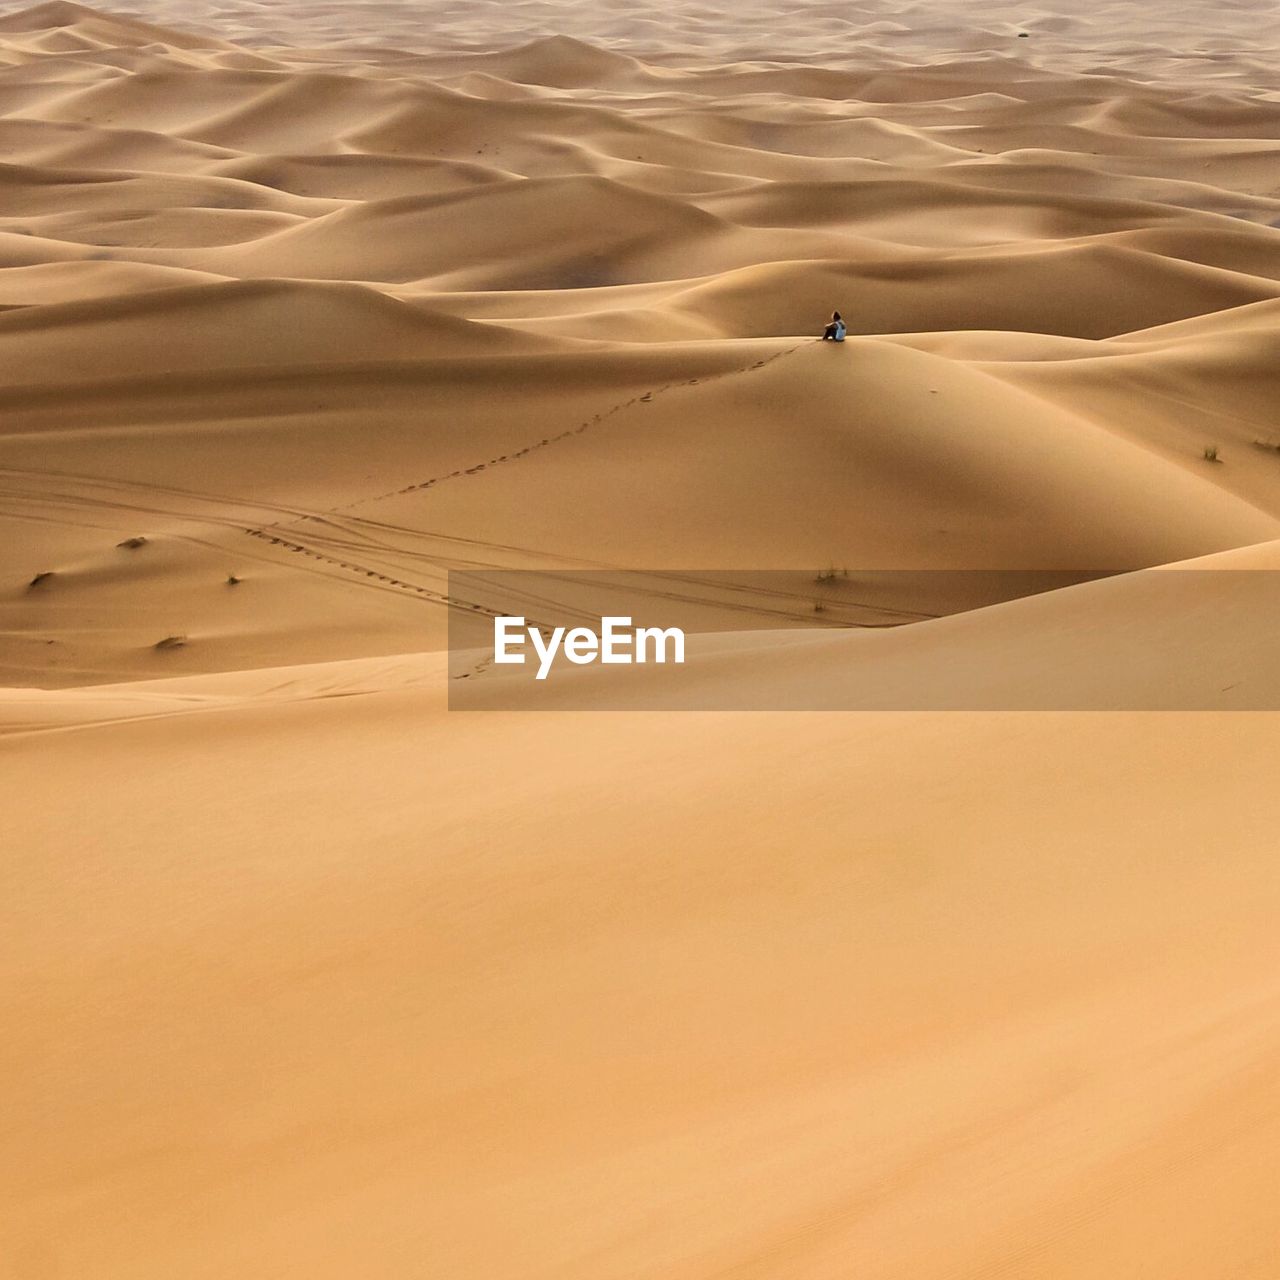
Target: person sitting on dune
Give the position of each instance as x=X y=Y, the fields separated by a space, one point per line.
x=835 y=330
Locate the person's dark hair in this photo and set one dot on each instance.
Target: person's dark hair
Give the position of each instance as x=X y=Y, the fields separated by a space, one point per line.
x=835 y=315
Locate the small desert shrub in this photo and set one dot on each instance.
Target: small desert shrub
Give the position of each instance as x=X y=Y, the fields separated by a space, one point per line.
x=1211 y=453
x=171 y=642
x=43 y=576
x=132 y=544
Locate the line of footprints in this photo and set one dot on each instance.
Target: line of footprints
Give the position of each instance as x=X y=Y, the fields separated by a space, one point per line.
x=596 y=420
x=439 y=597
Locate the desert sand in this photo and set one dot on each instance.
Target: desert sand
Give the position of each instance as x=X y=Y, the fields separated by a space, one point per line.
x=305 y=974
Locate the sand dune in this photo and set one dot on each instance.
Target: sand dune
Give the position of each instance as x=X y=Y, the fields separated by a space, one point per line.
x=460 y=236
x=234 y=324
x=67 y=26
x=71 y=281
x=573 y=1073
x=303 y=307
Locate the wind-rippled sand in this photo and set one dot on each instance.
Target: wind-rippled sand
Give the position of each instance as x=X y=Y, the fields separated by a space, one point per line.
x=306 y=975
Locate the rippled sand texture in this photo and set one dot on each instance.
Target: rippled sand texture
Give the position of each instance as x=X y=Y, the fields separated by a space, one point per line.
x=305 y=975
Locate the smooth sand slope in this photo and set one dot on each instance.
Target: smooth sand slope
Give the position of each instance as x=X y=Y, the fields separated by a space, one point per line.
x=306 y=975
x=319 y=977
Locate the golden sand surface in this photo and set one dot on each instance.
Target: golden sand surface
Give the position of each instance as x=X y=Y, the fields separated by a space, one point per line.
x=304 y=974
